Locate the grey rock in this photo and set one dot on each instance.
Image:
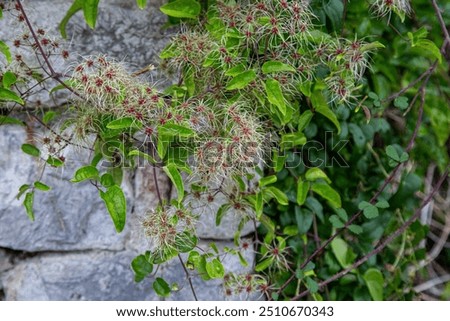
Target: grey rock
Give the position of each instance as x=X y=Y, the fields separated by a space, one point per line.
x=82 y=276
x=68 y=217
x=5 y=261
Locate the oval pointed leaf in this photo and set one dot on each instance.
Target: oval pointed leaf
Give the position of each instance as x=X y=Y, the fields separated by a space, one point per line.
x=316 y=173
x=241 y=80
x=276 y=66
x=90 y=9
x=84 y=173
x=41 y=186
x=28 y=203
x=302 y=191
x=328 y=193
x=182 y=9
x=121 y=123
x=175 y=176
x=115 y=202
x=264 y=264
x=174 y=130
x=375 y=283
x=141 y=267
x=141 y=3
x=8 y=95
x=320 y=105
x=4 y=49
x=215 y=269
x=76 y=6
x=9 y=79
x=31 y=150
x=161 y=287
x=275 y=95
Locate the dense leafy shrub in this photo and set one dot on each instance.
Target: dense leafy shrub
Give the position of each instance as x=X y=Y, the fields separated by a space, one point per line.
x=317 y=121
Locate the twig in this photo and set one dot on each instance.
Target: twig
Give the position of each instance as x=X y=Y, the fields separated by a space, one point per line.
x=188 y=276
x=386 y=242
x=432 y=283
x=51 y=72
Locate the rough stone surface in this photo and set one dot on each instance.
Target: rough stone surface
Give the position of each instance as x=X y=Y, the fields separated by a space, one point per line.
x=68 y=217
x=76 y=276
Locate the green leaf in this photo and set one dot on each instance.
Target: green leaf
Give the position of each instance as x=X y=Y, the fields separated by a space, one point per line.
x=185 y=242
x=274 y=192
x=264 y=264
x=141 y=267
x=137 y=152
x=22 y=189
x=275 y=95
x=371 y=46
x=375 y=283
x=336 y=221
x=334 y=10
x=304 y=219
x=141 y=3
x=41 y=186
x=8 y=95
x=241 y=80
x=382 y=204
x=328 y=193
x=182 y=9
x=48 y=116
x=304 y=120
x=358 y=135
x=370 y=211
x=122 y=123
x=9 y=79
x=267 y=180
x=316 y=173
x=276 y=66
x=53 y=161
x=290 y=230
x=312 y=285
x=236 y=70
x=242 y=260
x=258 y=205
x=5 y=120
x=320 y=105
x=161 y=287
x=221 y=212
x=84 y=173
x=4 y=49
x=174 y=130
x=215 y=269
x=90 y=8
x=401 y=102
x=115 y=202
x=107 y=180
x=342 y=252
x=302 y=191
x=355 y=229
x=429 y=47
x=31 y=150
x=76 y=6
x=175 y=176
x=392 y=153
x=28 y=203
x=404 y=157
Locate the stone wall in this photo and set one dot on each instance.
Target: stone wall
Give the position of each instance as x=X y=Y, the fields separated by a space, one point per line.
x=71 y=251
